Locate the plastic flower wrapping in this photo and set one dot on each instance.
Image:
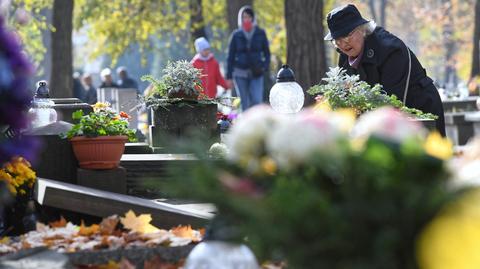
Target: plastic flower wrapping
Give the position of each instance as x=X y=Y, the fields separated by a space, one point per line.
x=15 y=71
x=323 y=189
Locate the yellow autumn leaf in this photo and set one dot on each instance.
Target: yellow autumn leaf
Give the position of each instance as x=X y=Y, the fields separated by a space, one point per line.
x=140 y=223
x=88 y=230
x=187 y=232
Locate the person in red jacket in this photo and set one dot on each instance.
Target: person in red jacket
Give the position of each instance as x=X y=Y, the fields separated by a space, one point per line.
x=206 y=62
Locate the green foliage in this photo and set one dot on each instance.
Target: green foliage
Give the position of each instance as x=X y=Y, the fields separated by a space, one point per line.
x=140 y=20
x=361 y=209
x=344 y=91
x=101 y=122
x=181 y=76
x=159 y=88
x=30 y=28
x=180 y=80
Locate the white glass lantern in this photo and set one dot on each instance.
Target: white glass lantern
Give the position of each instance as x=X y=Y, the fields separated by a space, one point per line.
x=42 y=112
x=221 y=255
x=286 y=96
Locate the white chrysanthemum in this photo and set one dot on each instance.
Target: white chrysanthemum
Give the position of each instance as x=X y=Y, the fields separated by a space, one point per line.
x=296 y=140
x=246 y=139
x=388 y=123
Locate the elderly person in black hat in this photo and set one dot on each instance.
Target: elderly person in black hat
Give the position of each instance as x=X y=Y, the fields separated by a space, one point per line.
x=380 y=57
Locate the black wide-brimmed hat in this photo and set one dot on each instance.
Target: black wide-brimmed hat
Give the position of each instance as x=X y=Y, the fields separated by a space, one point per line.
x=342 y=20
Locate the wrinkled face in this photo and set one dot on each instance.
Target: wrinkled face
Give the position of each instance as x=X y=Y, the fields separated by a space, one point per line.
x=352 y=44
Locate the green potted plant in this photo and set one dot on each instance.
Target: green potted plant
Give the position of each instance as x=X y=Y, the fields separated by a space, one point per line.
x=180 y=80
x=178 y=106
x=341 y=90
x=99 y=138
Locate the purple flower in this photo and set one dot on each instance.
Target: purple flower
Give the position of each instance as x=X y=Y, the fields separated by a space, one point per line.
x=15 y=97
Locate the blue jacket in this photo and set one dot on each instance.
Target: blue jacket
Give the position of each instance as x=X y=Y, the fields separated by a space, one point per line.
x=240 y=57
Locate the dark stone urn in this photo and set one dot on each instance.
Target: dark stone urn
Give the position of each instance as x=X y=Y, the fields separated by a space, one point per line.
x=176 y=123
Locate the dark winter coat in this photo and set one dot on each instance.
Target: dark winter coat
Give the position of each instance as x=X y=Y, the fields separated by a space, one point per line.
x=385 y=61
x=240 y=56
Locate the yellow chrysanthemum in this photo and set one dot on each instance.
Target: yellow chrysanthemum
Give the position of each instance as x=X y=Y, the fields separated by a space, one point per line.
x=18 y=174
x=438 y=147
x=99 y=106
x=269 y=166
x=452 y=240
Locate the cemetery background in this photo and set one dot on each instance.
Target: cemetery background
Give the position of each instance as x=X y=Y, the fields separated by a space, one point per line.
x=139 y=163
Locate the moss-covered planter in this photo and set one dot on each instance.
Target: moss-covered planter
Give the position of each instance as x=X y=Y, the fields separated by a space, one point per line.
x=182 y=120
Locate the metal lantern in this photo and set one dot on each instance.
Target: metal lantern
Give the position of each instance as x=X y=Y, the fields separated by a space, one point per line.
x=286 y=96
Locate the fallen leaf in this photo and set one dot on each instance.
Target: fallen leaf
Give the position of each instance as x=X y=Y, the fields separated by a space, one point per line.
x=139 y=223
x=108 y=225
x=59 y=223
x=187 y=232
x=88 y=230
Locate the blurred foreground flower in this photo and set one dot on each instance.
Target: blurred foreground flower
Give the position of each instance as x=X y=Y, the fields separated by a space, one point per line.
x=452 y=240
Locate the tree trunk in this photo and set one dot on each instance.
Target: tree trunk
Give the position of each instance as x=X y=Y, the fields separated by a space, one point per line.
x=371 y=5
x=380 y=16
x=305 y=44
x=233 y=6
x=197 y=23
x=449 y=43
x=475 y=70
x=383 y=13
x=61 y=81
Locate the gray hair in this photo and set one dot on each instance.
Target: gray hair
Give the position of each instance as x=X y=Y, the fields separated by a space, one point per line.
x=368 y=28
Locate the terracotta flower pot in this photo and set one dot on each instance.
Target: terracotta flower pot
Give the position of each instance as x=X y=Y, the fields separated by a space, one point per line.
x=96 y=153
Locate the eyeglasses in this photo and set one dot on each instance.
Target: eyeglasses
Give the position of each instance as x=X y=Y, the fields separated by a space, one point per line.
x=345 y=39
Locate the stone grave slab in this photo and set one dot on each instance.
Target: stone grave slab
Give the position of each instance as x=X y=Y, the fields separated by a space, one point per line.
x=142 y=169
x=457 y=128
x=460 y=105
x=99 y=203
x=474 y=118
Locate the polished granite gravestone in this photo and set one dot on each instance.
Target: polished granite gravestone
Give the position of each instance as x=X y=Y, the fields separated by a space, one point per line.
x=474 y=118
x=148 y=174
x=457 y=128
x=112 y=180
x=66 y=106
x=102 y=204
x=460 y=105
x=55 y=157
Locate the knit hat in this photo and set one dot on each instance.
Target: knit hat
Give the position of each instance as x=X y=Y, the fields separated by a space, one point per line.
x=106 y=72
x=201 y=44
